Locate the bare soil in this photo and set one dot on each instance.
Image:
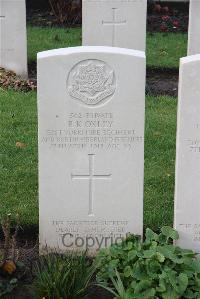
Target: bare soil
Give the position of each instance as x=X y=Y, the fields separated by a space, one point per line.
x=162 y=82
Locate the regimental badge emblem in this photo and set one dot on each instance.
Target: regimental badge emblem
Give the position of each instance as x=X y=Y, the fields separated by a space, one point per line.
x=91 y=82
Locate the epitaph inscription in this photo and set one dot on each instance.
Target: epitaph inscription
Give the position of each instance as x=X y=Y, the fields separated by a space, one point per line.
x=90 y=233
x=91 y=81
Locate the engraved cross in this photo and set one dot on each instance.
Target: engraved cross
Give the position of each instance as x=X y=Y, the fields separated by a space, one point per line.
x=114 y=23
x=91 y=177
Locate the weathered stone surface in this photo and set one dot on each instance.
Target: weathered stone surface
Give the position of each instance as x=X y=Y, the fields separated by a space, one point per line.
x=117 y=23
x=13 y=43
x=194 y=25
x=187 y=193
x=91 y=139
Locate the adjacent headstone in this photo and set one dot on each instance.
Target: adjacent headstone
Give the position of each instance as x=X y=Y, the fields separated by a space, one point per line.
x=187 y=192
x=116 y=23
x=91 y=128
x=13 y=44
x=194 y=25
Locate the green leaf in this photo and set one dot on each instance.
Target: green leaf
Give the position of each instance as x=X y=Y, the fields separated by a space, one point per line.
x=114 y=251
x=128 y=294
x=132 y=255
x=133 y=284
x=129 y=246
x=153 y=268
x=148 y=294
x=170 y=294
x=189 y=294
x=150 y=235
x=175 y=259
x=139 y=271
x=160 y=257
x=197 y=282
x=141 y=286
x=162 y=239
x=149 y=253
x=196 y=265
x=162 y=286
x=182 y=283
x=179 y=283
x=188 y=252
x=167 y=251
x=128 y=271
x=113 y=263
x=154 y=245
x=170 y=232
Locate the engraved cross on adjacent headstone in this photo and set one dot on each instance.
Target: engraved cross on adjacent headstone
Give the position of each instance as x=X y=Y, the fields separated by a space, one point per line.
x=91 y=177
x=114 y=23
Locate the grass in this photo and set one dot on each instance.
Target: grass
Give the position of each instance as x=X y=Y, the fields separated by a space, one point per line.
x=18 y=167
x=42 y=39
x=160 y=139
x=163 y=49
x=64 y=276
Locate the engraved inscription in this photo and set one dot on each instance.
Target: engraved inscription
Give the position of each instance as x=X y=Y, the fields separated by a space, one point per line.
x=92 y=131
x=114 y=23
x=193 y=142
x=193 y=229
x=91 y=82
x=90 y=233
x=91 y=176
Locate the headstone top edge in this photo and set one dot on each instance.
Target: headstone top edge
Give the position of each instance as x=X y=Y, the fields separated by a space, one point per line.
x=190 y=58
x=6 y=1
x=90 y=49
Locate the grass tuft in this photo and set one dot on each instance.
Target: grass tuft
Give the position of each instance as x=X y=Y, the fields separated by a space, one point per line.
x=63 y=276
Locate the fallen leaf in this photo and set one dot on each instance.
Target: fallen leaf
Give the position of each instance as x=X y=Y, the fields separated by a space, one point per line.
x=20 y=144
x=9 y=267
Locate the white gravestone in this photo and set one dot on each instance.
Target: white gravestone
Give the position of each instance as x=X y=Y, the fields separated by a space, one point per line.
x=91 y=126
x=187 y=191
x=194 y=25
x=116 y=23
x=13 y=43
